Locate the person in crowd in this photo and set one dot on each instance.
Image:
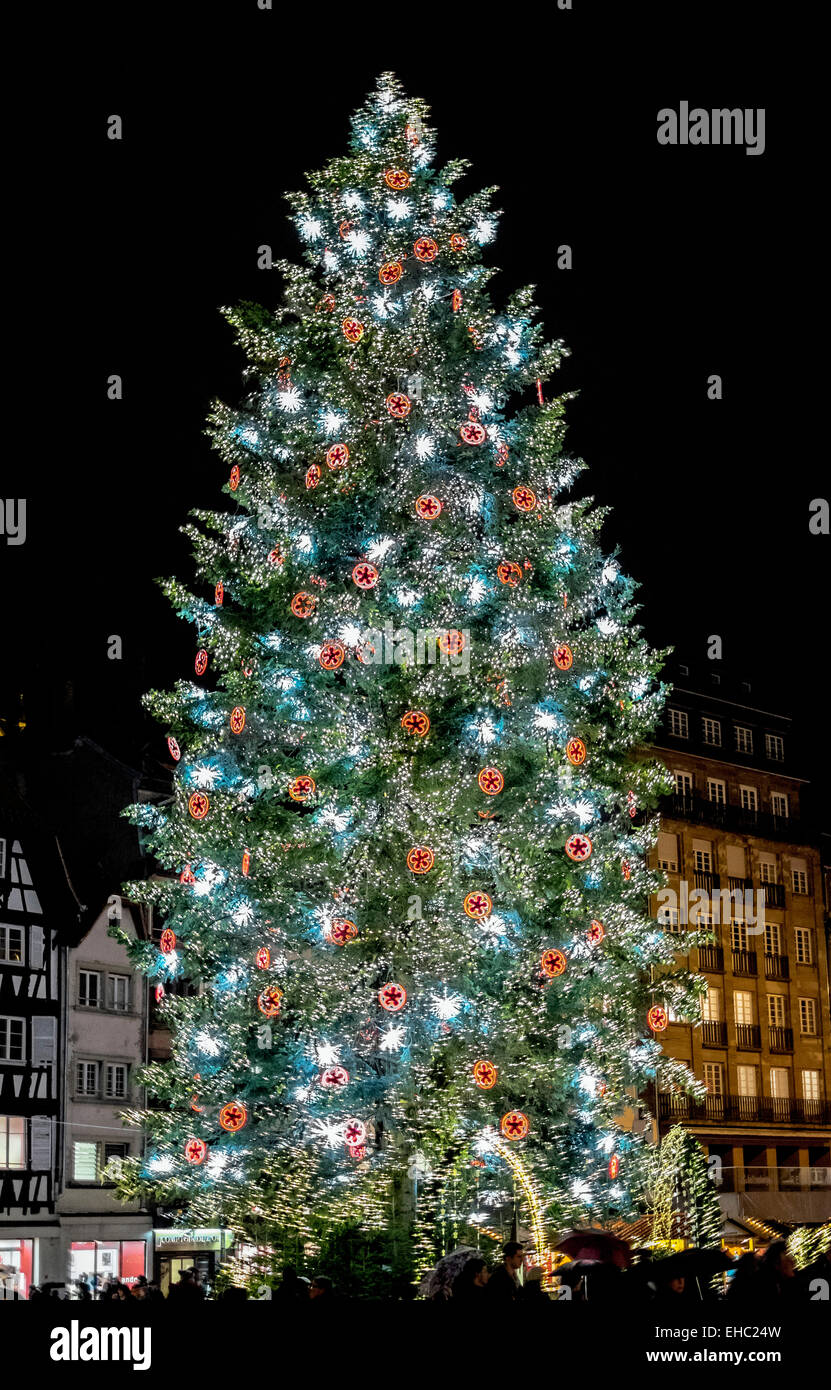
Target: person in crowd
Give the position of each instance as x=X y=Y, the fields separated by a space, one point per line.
x=233 y=1294
x=186 y=1289
x=292 y=1287
x=503 y=1284
x=471 y=1282
x=777 y=1273
x=322 y=1290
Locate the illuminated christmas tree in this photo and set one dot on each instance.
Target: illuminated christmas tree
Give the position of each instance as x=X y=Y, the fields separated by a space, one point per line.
x=406 y=841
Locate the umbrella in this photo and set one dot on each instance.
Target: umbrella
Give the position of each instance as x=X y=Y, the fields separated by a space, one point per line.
x=438 y=1283
x=591 y=1244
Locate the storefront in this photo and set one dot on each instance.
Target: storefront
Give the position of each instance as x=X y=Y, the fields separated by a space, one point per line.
x=178 y=1249
x=17 y=1258
x=97 y=1262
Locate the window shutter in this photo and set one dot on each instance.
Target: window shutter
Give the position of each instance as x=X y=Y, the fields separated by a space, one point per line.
x=41 y=1143
x=735 y=861
x=667 y=848
x=36 y=948
x=44 y=1029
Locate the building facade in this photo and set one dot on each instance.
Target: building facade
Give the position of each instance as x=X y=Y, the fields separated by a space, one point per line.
x=741 y=862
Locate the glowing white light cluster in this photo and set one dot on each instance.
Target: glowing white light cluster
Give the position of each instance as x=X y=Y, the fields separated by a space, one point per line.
x=484 y=230
x=332 y=422
x=350 y=634
x=162 y=1163
x=399 y=208
x=392 y=1039
x=477 y=591
x=207 y=1044
x=243 y=914
x=289 y=400
x=310 y=229
x=353 y=200
x=607 y=626
x=205 y=776
x=378 y=550
x=358 y=243
x=425 y=446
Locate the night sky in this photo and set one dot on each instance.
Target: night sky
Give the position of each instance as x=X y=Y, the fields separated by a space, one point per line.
x=687 y=262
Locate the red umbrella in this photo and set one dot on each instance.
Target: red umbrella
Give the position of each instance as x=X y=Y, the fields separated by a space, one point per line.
x=589 y=1244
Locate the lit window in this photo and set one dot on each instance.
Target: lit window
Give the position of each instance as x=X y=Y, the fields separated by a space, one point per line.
x=811 y=1085
x=711 y=729
x=808 y=1017
x=804 y=946
x=779 y=805
x=85 y=1162
x=777 y=1013
x=775 y=748
x=11 y=944
x=12 y=1141
x=679 y=724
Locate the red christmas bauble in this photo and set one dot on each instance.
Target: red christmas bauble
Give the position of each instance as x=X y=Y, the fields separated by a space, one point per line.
x=246 y=862
x=237 y=720
x=195 y=1151
x=342 y=930
x=578 y=848
x=167 y=942
x=200 y=665
x=233 y=1116
x=524 y=498
x=515 y=1125
x=553 y=963
x=313 y=475
x=491 y=781
x=233 y=481
x=354 y=1132
x=263 y=958
x=452 y=643
x=425 y=249
x=390 y=272
x=485 y=1074
x=268 y=1001
x=576 y=751
x=198 y=805
x=420 y=860
x=457 y=242
x=456 y=301
x=472 y=432
x=332 y=655
x=596 y=933
x=416 y=722
x=327 y=303
x=614 y=1166
x=158 y=993
x=302 y=788
x=657 y=1018
x=337 y=456
x=365 y=575
x=276 y=556
x=428 y=507
x=508 y=572
x=173 y=749
x=187 y=875
x=334 y=1076
x=478 y=905
x=398 y=405
x=219 y=594
x=392 y=997
x=562 y=657
x=353 y=330
x=397 y=178
x=303 y=604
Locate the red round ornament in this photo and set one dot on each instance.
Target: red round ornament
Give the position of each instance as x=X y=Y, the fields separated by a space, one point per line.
x=562 y=657
x=472 y=432
x=276 y=556
x=485 y=1074
x=357 y=1150
x=342 y=930
x=657 y=1018
x=425 y=249
x=246 y=862
x=345 y=227
x=337 y=456
x=478 y=905
x=491 y=781
x=237 y=720
x=508 y=572
x=268 y=1001
x=173 y=749
x=263 y=958
x=365 y=575
x=200 y=665
x=313 y=475
x=195 y=1150
x=198 y=805
x=452 y=643
x=332 y=655
x=219 y=594
x=576 y=751
x=457 y=242
x=524 y=498
x=416 y=722
x=233 y=1116
x=327 y=303
x=334 y=1076
x=578 y=848
x=233 y=481
x=456 y=301
x=515 y=1125
x=428 y=507
x=390 y=272
x=398 y=405
x=553 y=963
x=302 y=788
x=158 y=993
x=596 y=933
x=614 y=1166
x=420 y=860
x=167 y=941
x=397 y=178
x=392 y=997
x=187 y=875
x=353 y=330
x=354 y=1132
x=303 y=604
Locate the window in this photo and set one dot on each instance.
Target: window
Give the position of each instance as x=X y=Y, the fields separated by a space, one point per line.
x=738 y=934
x=683 y=783
x=116 y=1086
x=744 y=738
x=679 y=724
x=119 y=991
x=86 y=1078
x=777 y=1013
x=799 y=876
x=714 y=1078
x=746 y=1081
x=703 y=856
x=89 y=988
x=808 y=1017
x=711 y=1005
x=804 y=946
x=668 y=917
x=779 y=1083
x=115 y=1151
x=12 y=1039
x=668 y=852
x=11 y=944
x=767 y=868
x=779 y=805
x=711 y=729
x=743 y=1005
x=774 y=748
x=12 y=1141
x=810 y=1085
x=2 y=858
x=749 y=798
x=84 y=1161
x=773 y=939
x=703 y=921
x=717 y=791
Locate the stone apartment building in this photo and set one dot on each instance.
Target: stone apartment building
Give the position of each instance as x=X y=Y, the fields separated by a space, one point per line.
x=734 y=825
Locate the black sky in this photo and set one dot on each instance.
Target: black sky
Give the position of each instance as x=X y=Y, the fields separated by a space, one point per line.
x=687 y=262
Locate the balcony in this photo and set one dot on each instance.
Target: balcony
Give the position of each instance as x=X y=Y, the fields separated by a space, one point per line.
x=740 y=885
x=748 y=1037
x=776 y=967
x=744 y=963
x=714 y=1034
x=727 y=1109
x=774 y=894
x=780 y=1039
x=711 y=958
x=699 y=811
x=708 y=881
